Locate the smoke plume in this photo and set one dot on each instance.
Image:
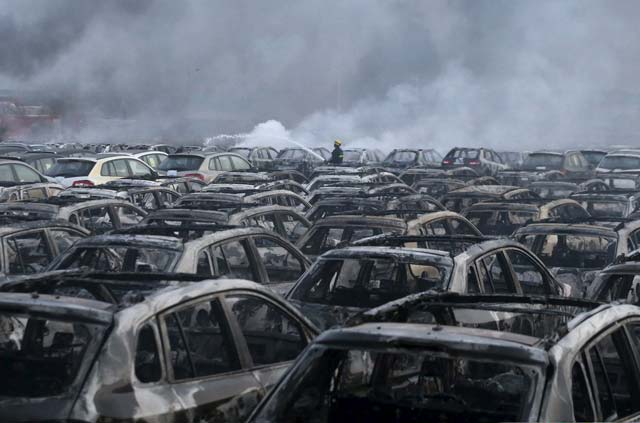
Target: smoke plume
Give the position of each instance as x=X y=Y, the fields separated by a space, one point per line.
x=508 y=74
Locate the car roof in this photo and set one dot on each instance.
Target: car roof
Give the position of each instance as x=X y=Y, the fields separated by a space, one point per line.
x=360 y=220
x=55 y=306
x=565 y=228
x=484 y=189
x=501 y=345
x=150 y=241
x=413 y=254
x=502 y=206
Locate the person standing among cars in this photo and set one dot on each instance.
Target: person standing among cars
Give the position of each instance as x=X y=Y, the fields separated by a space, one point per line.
x=337 y=155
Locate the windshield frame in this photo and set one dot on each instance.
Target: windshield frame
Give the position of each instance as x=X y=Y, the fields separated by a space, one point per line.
x=282 y=395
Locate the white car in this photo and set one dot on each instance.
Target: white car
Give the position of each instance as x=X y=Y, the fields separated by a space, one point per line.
x=84 y=171
x=152 y=158
x=204 y=166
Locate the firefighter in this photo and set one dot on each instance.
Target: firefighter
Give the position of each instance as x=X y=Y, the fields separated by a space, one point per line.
x=337 y=155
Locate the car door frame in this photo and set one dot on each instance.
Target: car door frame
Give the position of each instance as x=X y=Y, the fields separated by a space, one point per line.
x=630 y=355
x=259 y=370
x=5 y=250
x=243 y=356
x=306 y=263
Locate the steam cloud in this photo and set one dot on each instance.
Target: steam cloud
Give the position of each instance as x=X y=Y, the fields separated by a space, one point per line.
x=508 y=74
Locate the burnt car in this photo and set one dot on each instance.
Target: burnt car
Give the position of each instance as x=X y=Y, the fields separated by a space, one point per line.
x=437 y=187
x=569 y=166
x=620 y=169
x=553 y=190
x=356 y=157
x=334 y=231
x=329 y=180
x=289 y=174
x=619 y=281
x=30 y=247
x=412 y=175
x=531 y=315
x=183 y=185
x=252 y=178
x=185 y=217
x=503 y=218
x=254 y=254
x=97 y=216
x=461 y=198
x=400 y=159
x=152 y=197
x=78 y=359
x=285 y=221
x=36 y=191
x=593 y=156
x=442 y=223
x=343 y=282
x=576 y=251
x=513 y=159
x=302 y=160
x=609 y=204
x=483 y=160
x=483 y=264
x=413 y=372
x=338 y=205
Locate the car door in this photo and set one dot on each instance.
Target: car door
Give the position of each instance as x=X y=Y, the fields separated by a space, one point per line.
x=234 y=259
x=25 y=175
x=292 y=226
x=26 y=252
x=271 y=335
x=60 y=239
x=138 y=169
x=282 y=263
x=611 y=368
x=494 y=274
x=207 y=365
x=96 y=220
x=531 y=275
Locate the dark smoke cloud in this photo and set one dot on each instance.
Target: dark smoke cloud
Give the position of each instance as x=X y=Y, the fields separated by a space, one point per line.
x=511 y=74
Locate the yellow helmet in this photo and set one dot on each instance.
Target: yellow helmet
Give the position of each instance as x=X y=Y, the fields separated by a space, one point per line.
x=337 y=142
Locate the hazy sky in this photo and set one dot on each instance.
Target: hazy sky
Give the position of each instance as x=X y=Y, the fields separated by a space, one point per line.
x=434 y=73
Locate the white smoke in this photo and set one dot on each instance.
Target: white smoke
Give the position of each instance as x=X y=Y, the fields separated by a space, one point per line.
x=374 y=73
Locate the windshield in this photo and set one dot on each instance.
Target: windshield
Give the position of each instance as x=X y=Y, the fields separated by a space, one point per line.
x=41 y=356
x=401 y=157
x=604 y=208
x=620 y=163
x=463 y=153
x=543 y=162
x=572 y=250
x=340 y=385
x=181 y=163
x=369 y=282
x=71 y=168
x=119 y=259
x=593 y=157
